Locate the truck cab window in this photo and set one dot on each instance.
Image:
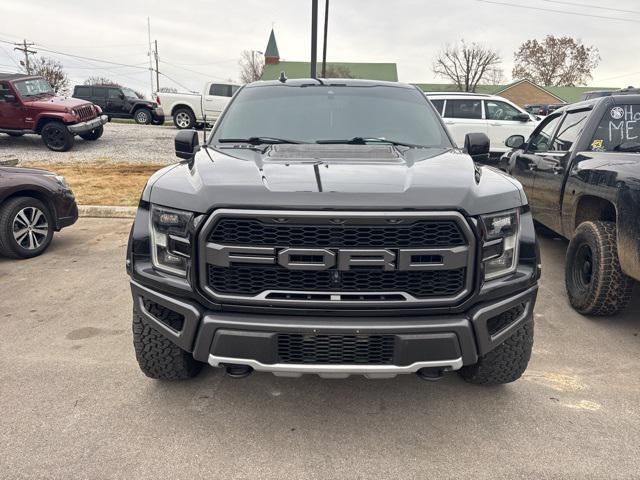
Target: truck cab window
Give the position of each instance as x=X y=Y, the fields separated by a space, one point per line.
x=220 y=90
x=570 y=130
x=540 y=141
x=619 y=130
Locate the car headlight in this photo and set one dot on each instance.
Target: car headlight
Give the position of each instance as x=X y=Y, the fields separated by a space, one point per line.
x=170 y=244
x=501 y=232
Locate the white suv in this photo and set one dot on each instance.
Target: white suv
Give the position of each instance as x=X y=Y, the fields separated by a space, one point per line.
x=471 y=112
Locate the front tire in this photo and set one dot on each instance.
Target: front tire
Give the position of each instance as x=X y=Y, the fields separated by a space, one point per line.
x=26 y=228
x=596 y=284
x=184 y=119
x=504 y=364
x=94 y=134
x=57 y=137
x=157 y=356
x=142 y=116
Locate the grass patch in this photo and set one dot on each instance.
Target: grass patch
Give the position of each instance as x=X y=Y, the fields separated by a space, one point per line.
x=103 y=183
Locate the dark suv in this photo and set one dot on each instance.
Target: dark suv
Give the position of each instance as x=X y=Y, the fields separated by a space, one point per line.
x=33 y=204
x=121 y=102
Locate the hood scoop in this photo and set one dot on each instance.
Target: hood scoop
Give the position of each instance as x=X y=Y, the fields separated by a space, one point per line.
x=345 y=154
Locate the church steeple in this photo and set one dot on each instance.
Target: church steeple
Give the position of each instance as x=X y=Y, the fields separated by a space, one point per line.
x=271 y=54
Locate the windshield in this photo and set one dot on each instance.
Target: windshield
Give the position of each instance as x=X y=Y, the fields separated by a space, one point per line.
x=129 y=93
x=323 y=113
x=33 y=87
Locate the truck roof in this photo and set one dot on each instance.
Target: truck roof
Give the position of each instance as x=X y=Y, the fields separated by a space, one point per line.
x=348 y=82
x=14 y=76
x=615 y=99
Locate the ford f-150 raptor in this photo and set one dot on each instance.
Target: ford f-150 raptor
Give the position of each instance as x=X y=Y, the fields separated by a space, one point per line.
x=333 y=227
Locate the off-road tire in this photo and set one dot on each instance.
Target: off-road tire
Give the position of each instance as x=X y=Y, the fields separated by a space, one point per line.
x=142 y=116
x=94 y=134
x=9 y=247
x=157 y=121
x=57 y=137
x=504 y=364
x=157 y=356
x=602 y=289
x=184 y=119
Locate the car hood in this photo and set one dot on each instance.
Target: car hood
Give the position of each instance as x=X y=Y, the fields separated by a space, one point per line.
x=56 y=103
x=24 y=171
x=341 y=177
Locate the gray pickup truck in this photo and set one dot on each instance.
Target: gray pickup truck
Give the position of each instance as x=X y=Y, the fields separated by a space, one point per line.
x=333 y=227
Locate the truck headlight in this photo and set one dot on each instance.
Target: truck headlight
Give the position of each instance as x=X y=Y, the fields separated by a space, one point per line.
x=501 y=232
x=170 y=244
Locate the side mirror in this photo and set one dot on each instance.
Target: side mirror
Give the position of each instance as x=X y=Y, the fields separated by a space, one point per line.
x=477 y=146
x=523 y=117
x=121 y=96
x=515 y=141
x=187 y=144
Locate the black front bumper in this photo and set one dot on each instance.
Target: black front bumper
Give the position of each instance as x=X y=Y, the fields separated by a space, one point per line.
x=444 y=341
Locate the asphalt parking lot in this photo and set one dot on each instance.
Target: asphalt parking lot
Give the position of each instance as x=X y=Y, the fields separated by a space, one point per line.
x=75 y=405
x=120 y=143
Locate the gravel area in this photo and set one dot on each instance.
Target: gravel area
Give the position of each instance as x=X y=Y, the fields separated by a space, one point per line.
x=121 y=143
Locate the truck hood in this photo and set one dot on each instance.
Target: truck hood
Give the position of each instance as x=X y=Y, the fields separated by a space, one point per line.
x=57 y=104
x=341 y=177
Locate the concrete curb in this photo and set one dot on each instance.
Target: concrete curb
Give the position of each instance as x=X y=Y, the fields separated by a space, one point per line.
x=100 y=211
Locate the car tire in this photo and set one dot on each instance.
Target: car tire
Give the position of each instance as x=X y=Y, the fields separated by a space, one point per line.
x=26 y=228
x=504 y=364
x=94 y=134
x=142 y=116
x=57 y=137
x=596 y=284
x=16 y=135
x=158 y=121
x=158 y=357
x=184 y=119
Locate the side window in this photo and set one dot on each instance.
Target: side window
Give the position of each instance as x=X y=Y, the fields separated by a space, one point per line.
x=99 y=92
x=496 y=110
x=439 y=105
x=570 y=130
x=83 y=92
x=4 y=90
x=113 y=94
x=234 y=89
x=469 y=109
x=220 y=90
x=540 y=141
x=619 y=130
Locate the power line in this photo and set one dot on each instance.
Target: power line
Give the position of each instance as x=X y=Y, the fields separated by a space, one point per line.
x=597 y=7
x=24 y=48
x=175 y=81
x=504 y=4
x=207 y=75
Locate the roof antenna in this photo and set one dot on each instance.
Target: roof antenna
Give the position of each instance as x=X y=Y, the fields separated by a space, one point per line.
x=283 y=78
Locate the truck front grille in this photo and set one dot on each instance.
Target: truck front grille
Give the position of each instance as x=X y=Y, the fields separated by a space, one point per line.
x=85 y=112
x=335 y=349
x=241 y=258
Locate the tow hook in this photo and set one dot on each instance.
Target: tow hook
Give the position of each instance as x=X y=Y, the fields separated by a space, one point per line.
x=237 y=371
x=430 y=374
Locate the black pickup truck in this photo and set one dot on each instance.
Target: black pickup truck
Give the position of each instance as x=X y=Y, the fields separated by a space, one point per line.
x=581 y=173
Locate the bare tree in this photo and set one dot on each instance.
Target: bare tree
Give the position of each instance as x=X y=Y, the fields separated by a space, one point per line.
x=251 y=66
x=101 y=81
x=556 y=61
x=494 y=76
x=338 y=71
x=53 y=71
x=168 y=90
x=466 y=65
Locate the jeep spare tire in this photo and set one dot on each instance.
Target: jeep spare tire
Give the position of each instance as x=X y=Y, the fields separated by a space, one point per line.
x=57 y=137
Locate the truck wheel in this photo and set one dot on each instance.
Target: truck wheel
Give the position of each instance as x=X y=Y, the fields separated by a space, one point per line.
x=183 y=119
x=157 y=356
x=158 y=121
x=57 y=137
x=595 y=282
x=26 y=228
x=142 y=116
x=504 y=364
x=94 y=134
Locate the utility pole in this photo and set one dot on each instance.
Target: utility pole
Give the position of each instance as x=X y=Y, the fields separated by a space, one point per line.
x=324 y=47
x=314 y=38
x=150 y=54
x=24 y=48
x=157 y=70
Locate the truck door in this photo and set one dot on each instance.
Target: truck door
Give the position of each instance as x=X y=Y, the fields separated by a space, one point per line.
x=551 y=169
x=99 y=97
x=464 y=116
x=523 y=163
x=11 y=110
x=116 y=102
x=216 y=99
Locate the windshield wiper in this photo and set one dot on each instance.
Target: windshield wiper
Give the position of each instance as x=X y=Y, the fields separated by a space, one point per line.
x=257 y=140
x=366 y=140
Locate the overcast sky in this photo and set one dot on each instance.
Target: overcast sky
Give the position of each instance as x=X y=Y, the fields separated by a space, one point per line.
x=202 y=40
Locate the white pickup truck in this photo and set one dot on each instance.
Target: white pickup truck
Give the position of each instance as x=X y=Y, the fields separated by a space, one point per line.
x=189 y=110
